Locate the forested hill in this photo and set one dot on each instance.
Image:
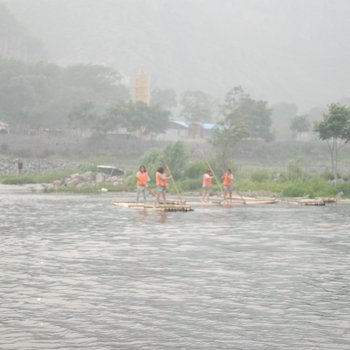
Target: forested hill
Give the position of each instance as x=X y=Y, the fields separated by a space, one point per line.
x=278 y=50
x=15 y=42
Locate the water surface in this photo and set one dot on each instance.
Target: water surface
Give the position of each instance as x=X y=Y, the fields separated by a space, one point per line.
x=79 y=273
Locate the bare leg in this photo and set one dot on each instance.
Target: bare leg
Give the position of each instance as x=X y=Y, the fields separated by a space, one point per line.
x=156 y=202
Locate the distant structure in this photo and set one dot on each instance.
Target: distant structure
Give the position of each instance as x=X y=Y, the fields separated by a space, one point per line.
x=4 y=128
x=142 y=88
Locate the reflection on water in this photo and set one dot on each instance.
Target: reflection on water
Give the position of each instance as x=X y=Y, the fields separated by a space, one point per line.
x=78 y=273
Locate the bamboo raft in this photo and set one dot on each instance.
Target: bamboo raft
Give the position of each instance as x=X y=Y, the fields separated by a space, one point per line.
x=307 y=202
x=244 y=201
x=167 y=207
x=183 y=206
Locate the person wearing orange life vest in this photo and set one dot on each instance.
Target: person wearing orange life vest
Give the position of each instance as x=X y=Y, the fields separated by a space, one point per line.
x=228 y=185
x=142 y=179
x=161 y=183
x=206 y=184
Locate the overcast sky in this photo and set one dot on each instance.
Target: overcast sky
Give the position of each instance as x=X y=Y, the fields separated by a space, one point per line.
x=279 y=50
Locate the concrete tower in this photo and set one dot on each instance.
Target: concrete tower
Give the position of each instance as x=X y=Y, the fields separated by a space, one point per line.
x=142 y=88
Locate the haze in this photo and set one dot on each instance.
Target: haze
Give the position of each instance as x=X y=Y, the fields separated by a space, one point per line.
x=278 y=50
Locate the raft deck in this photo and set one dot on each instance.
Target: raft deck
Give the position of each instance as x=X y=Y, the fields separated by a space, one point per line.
x=168 y=206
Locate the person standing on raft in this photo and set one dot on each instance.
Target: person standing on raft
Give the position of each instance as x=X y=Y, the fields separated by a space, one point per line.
x=206 y=183
x=161 y=183
x=142 y=179
x=228 y=186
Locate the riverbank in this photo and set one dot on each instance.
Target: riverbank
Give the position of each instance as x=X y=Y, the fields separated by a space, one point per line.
x=246 y=198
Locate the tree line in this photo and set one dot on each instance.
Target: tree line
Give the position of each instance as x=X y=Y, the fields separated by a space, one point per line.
x=94 y=98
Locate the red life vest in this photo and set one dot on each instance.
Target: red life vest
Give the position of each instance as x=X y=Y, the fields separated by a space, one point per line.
x=142 y=178
x=160 y=179
x=228 y=179
x=206 y=180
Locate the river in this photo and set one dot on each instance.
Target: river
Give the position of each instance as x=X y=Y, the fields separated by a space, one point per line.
x=79 y=273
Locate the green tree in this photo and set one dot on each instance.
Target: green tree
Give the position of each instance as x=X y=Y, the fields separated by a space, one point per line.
x=166 y=98
x=294 y=170
x=158 y=121
x=16 y=42
x=233 y=128
x=256 y=112
x=135 y=117
x=335 y=130
x=43 y=95
x=83 y=116
x=281 y=116
x=153 y=159
x=174 y=156
x=117 y=116
x=196 y=106
x=299 y=125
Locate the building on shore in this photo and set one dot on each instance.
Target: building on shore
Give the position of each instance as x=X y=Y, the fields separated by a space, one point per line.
x=142 y=88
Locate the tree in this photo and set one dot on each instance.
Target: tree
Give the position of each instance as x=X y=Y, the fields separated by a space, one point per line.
x=83 y=116
x=176 y=157
x=256 y=112
x=196 y=106
x=173 y=156
x=299 y=125
x=43 y=95
x=158 y=121
x=335 y=130
x=227 y=133
x=281 y=116
x=135 y=117
x=15 y=41
x=166 y=98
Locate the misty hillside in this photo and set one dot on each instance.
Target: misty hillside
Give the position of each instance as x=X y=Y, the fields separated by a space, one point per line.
x=15 y=42
x=278 y=50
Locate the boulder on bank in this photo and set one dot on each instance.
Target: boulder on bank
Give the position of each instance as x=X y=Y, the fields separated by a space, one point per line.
x=86 y=179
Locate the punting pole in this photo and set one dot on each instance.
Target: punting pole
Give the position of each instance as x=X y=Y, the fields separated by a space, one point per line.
x=174 y=183
x=219 y=182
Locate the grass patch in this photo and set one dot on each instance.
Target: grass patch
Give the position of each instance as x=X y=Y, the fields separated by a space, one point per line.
x=33 y=178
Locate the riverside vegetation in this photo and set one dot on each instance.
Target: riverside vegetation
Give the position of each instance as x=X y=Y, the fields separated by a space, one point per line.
x=289 y=181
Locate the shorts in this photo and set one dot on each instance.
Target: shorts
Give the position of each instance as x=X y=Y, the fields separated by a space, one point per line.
x=161 y=189
x=207 y=187
x=228 y=188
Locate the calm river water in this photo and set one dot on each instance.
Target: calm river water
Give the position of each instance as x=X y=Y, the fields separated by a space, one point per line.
x=79 y=273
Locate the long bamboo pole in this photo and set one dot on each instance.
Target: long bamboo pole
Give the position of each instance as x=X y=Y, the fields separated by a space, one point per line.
x=219 y=183
x=212 y=171
x=173 y=181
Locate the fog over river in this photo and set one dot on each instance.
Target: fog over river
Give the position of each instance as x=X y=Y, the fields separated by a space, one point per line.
x=79 y=273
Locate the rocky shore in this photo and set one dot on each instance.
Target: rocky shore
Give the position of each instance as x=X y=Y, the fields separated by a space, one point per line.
x=81 y=180
x=8 y=166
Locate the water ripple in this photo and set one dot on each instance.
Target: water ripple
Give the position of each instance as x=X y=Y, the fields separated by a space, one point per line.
x=78 y=273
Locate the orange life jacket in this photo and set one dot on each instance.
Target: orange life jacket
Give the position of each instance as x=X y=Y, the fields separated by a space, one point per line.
x=160 y=179
x=142 y=178
x=228 y=179
x=206 y=181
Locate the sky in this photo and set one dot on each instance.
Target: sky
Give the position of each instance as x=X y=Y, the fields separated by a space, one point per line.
x=294 y=51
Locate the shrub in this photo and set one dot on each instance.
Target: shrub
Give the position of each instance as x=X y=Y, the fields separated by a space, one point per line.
x=195 y=170
x=294 y=170
x=260 y=175
x=190 y=184
x=327 y=175
x=293 y=190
